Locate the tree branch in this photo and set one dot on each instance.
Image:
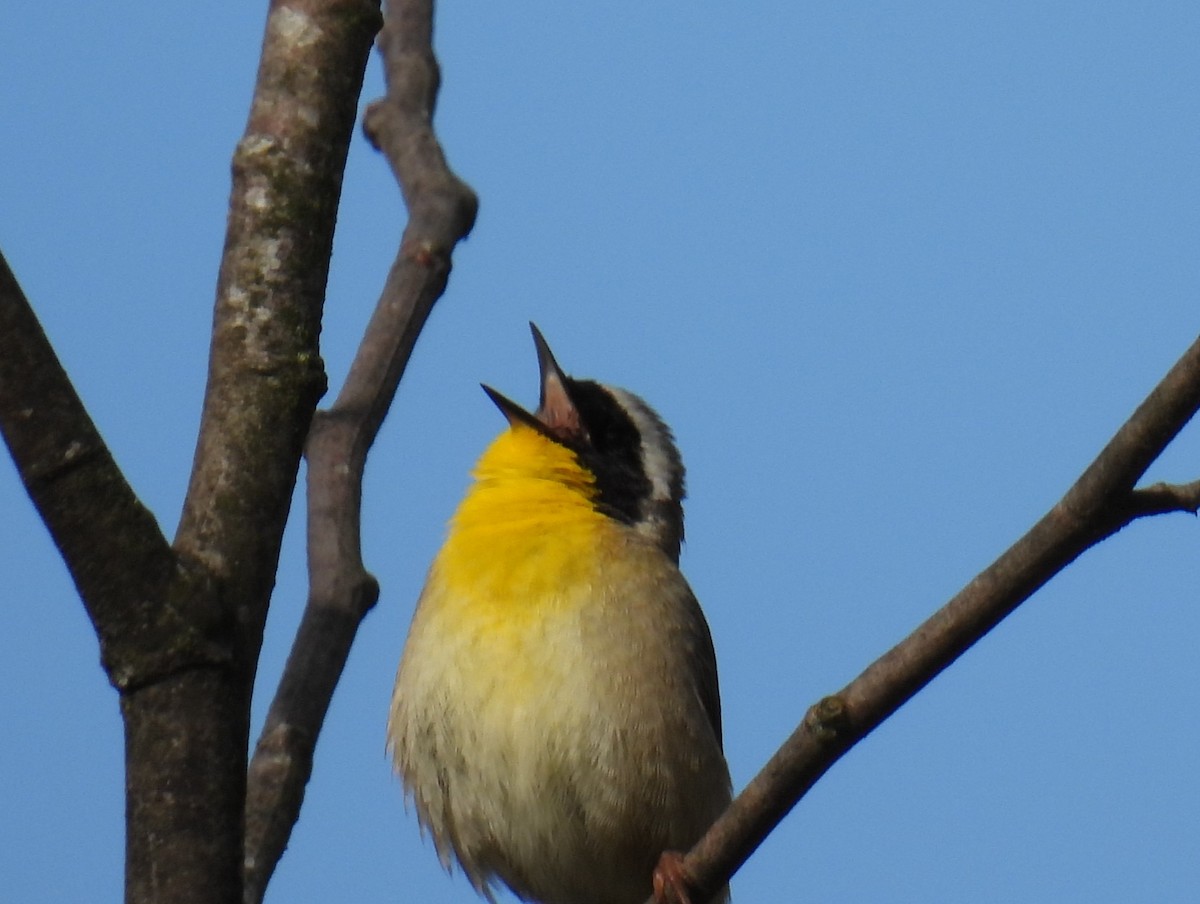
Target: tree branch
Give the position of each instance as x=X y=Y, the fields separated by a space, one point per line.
x=1098 y=505
x=160 y=645
x=441 y=212
x=117 y=556
x=265 y=374
x=186 y=735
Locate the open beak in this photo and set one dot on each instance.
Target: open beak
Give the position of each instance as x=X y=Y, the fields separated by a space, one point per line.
x=556 y=416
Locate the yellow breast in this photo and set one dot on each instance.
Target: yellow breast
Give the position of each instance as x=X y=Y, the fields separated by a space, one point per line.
x=525 y=552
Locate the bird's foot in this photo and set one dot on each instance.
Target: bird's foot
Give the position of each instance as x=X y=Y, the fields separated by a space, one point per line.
x=672 y=881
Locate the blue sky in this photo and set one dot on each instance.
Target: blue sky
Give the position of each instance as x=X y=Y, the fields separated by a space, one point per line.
x=893 y=275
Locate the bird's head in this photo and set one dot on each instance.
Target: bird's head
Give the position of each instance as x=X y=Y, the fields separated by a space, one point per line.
x=619 y=440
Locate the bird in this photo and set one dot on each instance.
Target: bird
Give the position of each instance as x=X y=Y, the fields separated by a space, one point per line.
x=556 y=714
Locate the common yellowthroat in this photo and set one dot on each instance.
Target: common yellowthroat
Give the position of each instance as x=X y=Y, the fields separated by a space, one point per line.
x=556 y=716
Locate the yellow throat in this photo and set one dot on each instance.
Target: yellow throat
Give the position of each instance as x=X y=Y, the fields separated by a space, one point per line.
x=526 y=534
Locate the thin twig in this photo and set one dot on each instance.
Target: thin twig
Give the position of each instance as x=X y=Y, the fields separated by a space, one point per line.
x=341 y=592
